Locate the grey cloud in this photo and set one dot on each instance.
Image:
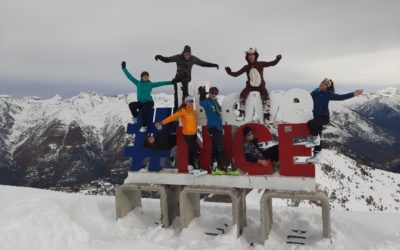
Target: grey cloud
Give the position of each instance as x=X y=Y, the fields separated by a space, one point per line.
x=81 y=43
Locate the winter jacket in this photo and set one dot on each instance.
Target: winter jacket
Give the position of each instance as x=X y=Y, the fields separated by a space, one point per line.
x=321 y=100
x=184 y=67
x=213 y=113
x=144 y=88
x=189 y=120
x=164 y=141
x=252 y=152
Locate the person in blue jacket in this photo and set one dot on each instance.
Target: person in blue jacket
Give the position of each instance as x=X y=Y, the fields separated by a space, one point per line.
x=214 y=126
x=144 y=99
x=321 y=97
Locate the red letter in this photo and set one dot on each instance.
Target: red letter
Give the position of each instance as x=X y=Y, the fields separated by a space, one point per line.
x=287 y=151
x=254 y=168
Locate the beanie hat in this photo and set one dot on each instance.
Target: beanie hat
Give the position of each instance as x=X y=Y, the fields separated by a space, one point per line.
x=189 y=98
x=246 y=130
x=215 y=89
x=144 y=73
x=187 y=49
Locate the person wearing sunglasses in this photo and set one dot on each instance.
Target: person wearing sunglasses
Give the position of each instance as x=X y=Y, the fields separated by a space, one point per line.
x=253 y=152
x=188 y=116
x=184 y=63
x=214 y=126
x=321 y=97
x=144 y=99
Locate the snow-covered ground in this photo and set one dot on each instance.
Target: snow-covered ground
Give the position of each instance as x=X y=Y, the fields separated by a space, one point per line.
x=42 y=220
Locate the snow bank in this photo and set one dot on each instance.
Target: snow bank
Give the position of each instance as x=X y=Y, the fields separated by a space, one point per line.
x=44 y=220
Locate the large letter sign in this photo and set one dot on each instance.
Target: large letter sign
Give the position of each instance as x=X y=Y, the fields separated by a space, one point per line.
x=288 y=151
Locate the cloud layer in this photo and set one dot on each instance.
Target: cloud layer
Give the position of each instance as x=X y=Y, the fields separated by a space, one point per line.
x=62 y=47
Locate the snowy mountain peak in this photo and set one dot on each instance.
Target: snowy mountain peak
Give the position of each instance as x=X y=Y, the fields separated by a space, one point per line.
x=389 y=91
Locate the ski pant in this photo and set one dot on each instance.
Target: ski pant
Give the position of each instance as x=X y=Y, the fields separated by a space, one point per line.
x=184 y=79
x=315 y=126
x=191 y=141
x=271 y=153
x=143 y=108
x=218 y=148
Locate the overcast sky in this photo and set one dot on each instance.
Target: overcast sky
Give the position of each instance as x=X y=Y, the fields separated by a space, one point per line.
x=50 y=47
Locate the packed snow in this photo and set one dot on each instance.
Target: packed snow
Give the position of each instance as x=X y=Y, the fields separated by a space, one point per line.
x=44 y=220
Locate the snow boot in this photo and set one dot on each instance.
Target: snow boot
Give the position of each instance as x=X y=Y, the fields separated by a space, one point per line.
x=231 y=171
x=313 y=141
x=313 y=159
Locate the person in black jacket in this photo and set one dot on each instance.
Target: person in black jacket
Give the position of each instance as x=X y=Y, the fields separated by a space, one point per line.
x=252 y=151
x=184 y=63
x=163 y=140
x=321 y=97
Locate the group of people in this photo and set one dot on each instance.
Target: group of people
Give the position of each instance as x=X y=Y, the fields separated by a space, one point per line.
x=185 y=112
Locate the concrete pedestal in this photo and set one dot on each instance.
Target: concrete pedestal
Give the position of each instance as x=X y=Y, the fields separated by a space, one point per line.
x=266 y=208
x=190 y=204
x=128 y=197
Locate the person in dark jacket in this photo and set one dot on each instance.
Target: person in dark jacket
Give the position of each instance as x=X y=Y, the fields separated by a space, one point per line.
x=214 y=126
x=321 y=97
x=163 y=140
x=144 y=99
x=252 y=151
x=184 y=63
x=255 y=79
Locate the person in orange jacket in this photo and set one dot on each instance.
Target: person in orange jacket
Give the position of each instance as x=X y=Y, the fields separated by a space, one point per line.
x=188 y=116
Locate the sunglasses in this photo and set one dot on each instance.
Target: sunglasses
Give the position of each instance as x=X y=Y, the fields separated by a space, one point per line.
x=213 y=93
x=250 y=133
x=189 y=101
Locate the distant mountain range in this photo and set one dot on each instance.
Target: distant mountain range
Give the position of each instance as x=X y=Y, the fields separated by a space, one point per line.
x=77 y=143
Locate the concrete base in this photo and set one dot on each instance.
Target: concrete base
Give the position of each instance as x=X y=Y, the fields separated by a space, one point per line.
x=266 y=208
x=273 y=182
x=128 y=197
x=190 y=204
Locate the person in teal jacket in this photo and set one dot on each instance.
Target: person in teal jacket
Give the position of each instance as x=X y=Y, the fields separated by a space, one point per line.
x=144 y=99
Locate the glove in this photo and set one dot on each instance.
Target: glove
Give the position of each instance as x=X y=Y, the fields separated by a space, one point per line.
x=157 y=57
x=217 y=67
x=228 y=70
x=158 y=125
x=279 y=57
x=202 y=90
x=123 y=64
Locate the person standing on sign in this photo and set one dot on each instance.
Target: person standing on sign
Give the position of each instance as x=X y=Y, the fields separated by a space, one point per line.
x=184 y=63
x=188 y=116
x=321 y=97
x=215 y=128
x=144 y=99
x=255 y=77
